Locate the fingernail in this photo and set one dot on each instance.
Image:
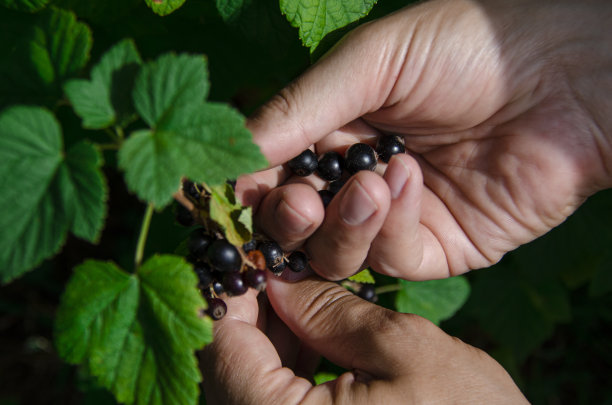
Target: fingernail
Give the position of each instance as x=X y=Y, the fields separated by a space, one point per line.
x=293 y=222
x=356 y=205
x=397 y=175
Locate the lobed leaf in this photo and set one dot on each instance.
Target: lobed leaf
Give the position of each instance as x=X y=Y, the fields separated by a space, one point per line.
x=52 y=46
x=136 y=333
x=230 y=10
x=435 y=300
x=204 y=142
x=105 y=99
x=317 y=18
x=62 y=191
x=24 y=5
x=364 y=277
x=170 y=82
x=164 y=7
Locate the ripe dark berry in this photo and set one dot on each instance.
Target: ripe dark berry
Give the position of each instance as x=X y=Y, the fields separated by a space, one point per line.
x=198 y=244
x=183 y=216
x=387 y=146
x=233 y=284
x=298 y=261
x=204 y=275
x=360 y=156
x=255 y=279
x=192 y=190
x=367 y=292
x=218 y=287
x=224 y=256
x=330 y=166
x=273 y=254
x=216 y=308
x=250 y=245
x=326 y=197
x=303 y=164
x=335 y=186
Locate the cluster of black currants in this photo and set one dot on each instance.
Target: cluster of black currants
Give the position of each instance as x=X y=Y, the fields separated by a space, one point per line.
x=335 y=168
x=223 y=268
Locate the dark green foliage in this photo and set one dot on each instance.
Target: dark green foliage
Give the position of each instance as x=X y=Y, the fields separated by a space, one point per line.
x=89 y=87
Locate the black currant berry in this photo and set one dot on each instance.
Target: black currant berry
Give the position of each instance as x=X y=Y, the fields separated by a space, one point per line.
x=216 y=308
x=224 y=256
x=330 y=166
x=204 y=275
x=198 y=244
x=298 y=261
x=273 y=254
x=218 y=287
x=250 y=245
x=255 y=279
x=335 y=186
x=326 y=197
x=192 y=190
x=183 y=216
x=303 y=164
x=367 y=292
x=360 y=156
x=387 y=146
x=233 y=284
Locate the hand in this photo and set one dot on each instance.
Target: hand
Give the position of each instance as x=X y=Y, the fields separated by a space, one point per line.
x=503 y=106
x=392 y=357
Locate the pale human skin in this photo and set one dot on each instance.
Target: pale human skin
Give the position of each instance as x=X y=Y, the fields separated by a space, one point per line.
x=504 y=107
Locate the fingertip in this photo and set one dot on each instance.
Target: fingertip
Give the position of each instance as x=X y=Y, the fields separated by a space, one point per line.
x=353 y=218
x=289 y=214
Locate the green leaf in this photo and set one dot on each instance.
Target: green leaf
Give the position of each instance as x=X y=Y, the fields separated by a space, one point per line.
x=518 y=313
x=61 y=46
x=230 y=10
x=136 y=333
x=97 y=311
x=90 y=192
x=101 y=101
x=63 y=192
x=24 y=5
x=170 y=82
x=363 y=277
x=168 y=286
x=317 y=18
x=435 y=300
x=164 y=7
x=232 y=217
x=323 y=377
x=207 y=143
x=53 y=48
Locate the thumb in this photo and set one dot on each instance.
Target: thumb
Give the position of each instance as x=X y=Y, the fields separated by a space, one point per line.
x=346 y=329
x=341 y=87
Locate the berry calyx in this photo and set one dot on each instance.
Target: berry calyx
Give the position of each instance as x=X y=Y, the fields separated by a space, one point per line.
x=360 y=156
x=303 y=164
x=216 y=308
